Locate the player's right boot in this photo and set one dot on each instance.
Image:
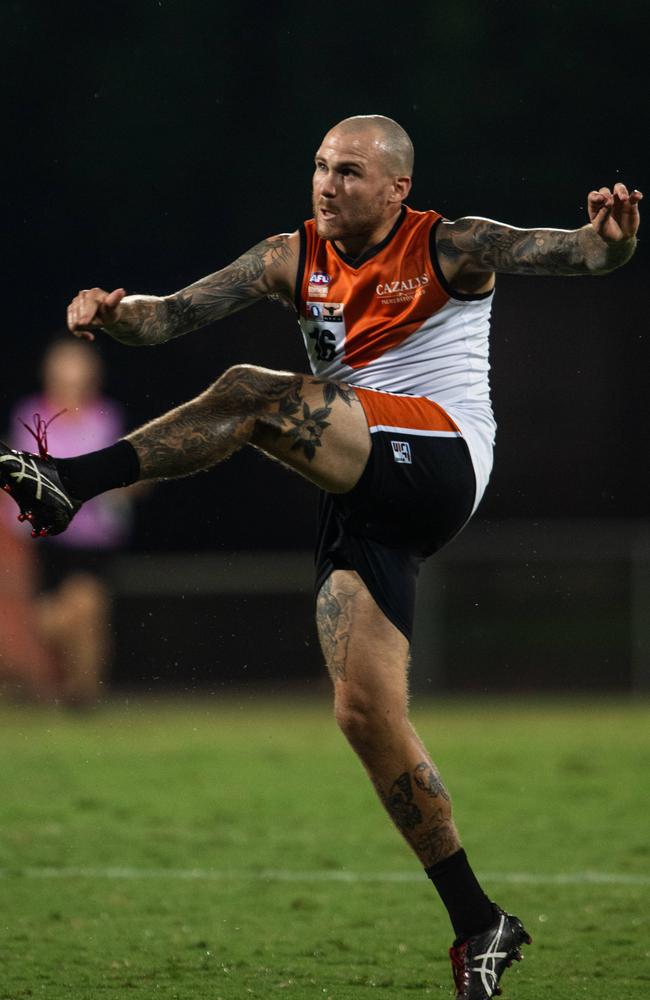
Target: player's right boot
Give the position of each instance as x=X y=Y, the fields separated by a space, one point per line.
x=34 y=483
x=479 y=962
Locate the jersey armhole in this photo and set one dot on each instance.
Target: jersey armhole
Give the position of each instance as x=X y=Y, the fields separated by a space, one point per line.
x=302 y=235
x=442 y=281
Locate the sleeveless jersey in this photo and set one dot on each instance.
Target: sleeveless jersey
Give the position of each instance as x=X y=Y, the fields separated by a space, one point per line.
x=389 y=321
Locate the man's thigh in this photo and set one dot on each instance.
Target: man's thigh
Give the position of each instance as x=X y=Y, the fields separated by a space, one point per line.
x=316 y=427
x=363 y=650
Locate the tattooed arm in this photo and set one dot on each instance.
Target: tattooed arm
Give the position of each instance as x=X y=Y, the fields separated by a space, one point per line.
x=269 y=268
x=471 y=248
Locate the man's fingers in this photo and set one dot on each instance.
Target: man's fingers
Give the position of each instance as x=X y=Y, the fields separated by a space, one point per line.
x=601 y=197
x=599 y=204
x=599 y=218
x=614 y=214
x=114 y=298
x=92 y=307
x=83 y=308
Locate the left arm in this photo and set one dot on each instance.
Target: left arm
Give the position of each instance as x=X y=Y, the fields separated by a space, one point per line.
x=472 y=246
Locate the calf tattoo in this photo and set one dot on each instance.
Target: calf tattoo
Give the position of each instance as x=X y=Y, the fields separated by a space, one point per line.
x=400 y=805
x=427 y=778
x=428 y=828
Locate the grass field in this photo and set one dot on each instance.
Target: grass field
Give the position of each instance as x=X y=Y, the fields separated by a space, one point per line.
x=235 y=849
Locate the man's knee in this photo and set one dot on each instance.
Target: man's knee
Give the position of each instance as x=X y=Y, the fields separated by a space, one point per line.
x=239 y=374
x=243 y=389
x=365 y=717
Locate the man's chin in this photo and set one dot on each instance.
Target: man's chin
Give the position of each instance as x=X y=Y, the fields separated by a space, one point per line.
x=328 y=229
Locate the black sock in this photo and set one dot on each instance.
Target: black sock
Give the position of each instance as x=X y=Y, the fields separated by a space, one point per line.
x=470 y=910
x=88 y=475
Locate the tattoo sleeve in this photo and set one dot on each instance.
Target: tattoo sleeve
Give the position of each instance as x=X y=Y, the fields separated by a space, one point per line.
x=148 y=319
x=485 y=245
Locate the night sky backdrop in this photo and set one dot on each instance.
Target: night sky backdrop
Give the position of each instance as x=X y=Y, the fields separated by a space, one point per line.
x=148 y=143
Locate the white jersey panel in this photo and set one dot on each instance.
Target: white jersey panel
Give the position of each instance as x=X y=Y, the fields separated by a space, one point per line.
x=445 y=359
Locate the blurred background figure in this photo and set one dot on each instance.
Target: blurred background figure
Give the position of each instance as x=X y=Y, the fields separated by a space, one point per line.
x=53 y=645
x=55 y=617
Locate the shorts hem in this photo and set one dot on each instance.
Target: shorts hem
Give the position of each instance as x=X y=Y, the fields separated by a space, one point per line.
x=326 y=570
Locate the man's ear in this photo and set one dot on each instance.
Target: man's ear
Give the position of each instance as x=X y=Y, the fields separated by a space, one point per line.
x=401 y=188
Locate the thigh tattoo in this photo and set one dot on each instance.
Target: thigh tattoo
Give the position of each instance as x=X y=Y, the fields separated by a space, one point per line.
x=301 y=423
x=334 y=617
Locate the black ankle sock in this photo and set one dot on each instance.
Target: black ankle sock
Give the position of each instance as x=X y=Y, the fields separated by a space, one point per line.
x=88 y=475
x=470 y=910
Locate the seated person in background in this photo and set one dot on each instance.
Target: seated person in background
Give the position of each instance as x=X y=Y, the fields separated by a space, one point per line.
x=52 y=646
x=72 y=404
x=73 y=612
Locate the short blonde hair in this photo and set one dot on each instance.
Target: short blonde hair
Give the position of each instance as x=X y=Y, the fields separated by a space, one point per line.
x=393 y=139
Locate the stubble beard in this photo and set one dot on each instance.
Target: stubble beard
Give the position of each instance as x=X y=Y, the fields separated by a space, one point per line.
x=353 y=227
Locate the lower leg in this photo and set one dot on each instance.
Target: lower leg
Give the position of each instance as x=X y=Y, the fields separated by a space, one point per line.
x=367 y=658
x=412 y=792
x=193 y=437
x=406 y=780
x=210 y=428
x=188 y=439
x=315 y=427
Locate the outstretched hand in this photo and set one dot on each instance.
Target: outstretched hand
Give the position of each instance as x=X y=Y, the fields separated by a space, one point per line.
x=614 y=214
x=91 y=309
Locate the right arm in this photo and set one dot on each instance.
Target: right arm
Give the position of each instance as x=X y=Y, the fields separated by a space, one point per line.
x=269 y=268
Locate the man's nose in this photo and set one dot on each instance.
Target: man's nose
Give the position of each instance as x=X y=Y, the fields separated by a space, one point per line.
x=328 y=184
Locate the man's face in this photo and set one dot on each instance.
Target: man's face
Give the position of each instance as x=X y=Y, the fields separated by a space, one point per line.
x=352 y=192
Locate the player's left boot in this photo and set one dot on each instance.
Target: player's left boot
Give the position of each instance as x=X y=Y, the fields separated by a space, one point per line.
x=478 y=963
x=34 y=483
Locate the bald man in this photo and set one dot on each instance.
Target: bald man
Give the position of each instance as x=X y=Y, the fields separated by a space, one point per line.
x=394 y=426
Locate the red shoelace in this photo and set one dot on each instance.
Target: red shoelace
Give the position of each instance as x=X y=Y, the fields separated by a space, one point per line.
x=39 y=433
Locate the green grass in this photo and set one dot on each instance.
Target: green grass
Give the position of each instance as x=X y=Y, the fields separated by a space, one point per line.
x=244 y=791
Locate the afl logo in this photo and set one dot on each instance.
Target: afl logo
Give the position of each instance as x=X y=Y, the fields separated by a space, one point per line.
x=318 y=286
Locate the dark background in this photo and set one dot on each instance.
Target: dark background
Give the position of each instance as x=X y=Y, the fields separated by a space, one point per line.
x=148 y=143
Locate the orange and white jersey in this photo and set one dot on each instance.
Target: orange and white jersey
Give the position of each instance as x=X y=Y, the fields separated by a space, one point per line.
x=389 y=321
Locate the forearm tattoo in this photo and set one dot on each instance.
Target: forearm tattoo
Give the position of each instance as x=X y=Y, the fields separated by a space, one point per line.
x=148 y=320
x=496 y=247
x=225 y=417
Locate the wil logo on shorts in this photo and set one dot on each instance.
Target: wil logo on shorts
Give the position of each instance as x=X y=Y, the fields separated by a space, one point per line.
x=402 y=452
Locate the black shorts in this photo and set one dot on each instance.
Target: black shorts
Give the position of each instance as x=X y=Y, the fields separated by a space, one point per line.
x=416 y=492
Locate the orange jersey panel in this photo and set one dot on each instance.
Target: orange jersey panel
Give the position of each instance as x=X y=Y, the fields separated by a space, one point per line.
x=385 y=411
x=360 y=312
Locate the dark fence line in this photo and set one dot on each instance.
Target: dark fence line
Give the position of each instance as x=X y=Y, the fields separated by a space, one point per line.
x=513 y=605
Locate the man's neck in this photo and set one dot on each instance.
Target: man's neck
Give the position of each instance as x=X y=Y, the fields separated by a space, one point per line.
x=357 y=246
